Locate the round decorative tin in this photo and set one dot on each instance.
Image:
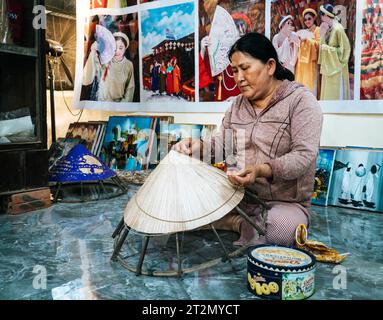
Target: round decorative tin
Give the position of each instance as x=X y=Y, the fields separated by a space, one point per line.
x=282 y=273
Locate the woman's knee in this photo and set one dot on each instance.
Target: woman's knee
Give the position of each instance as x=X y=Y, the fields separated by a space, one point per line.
x=281 y=226
x=280 y=234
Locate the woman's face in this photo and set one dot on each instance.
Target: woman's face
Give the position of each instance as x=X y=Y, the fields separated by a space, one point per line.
x=288 y=26
x=120 y=50
x=325 y=18
x=252 y=76
x=308 y=20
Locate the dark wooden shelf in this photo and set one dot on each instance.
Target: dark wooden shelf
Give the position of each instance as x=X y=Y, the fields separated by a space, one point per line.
x=22 y=86
x=24 y=51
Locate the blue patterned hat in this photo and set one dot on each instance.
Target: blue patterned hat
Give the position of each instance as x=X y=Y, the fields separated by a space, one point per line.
x=79 y=165
x=328 y=10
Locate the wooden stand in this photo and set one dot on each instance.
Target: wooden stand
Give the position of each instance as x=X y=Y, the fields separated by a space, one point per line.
x=27 y=201
x=122 y=230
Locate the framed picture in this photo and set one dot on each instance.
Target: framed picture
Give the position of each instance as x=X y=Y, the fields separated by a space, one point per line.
x=357 y=180
x=130 y=143
x=323 y=174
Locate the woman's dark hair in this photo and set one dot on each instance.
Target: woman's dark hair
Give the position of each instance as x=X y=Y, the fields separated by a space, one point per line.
x=311 y=14
x=260 y=47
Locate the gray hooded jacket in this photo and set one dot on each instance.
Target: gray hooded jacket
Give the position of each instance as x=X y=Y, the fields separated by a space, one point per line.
x=286 y=135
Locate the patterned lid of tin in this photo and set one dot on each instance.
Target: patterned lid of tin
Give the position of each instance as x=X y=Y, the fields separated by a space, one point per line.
x=281 y=259
x=79 y=165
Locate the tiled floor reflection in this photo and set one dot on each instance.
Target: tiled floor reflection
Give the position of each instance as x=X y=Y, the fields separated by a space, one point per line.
x=73 y=244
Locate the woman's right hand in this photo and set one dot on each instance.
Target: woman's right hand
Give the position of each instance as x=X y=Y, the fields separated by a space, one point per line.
x=188 y=146
x=205 y=42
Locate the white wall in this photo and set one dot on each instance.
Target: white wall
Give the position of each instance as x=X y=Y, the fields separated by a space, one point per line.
x=339 y=130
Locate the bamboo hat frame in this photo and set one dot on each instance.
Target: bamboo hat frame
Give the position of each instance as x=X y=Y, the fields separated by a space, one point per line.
x=181 y=194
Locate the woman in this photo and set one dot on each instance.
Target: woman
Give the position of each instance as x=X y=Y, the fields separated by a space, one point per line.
x=277 y=124
x=306 y=69
x=286 y=42
x=169 y=79
x=114 y=80
x=162 y=76
x=176 y=77
x=154 y=77
x=334 y=54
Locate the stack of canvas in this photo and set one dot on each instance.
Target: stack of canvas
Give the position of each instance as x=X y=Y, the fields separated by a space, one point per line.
x=350 y=177
x=174 y=133
x=131 y=143
x=88 y=131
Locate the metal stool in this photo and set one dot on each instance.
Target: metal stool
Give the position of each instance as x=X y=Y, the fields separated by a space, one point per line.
x=121 y=232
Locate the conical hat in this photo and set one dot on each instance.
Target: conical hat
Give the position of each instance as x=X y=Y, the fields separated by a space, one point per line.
x=181 y=194
x=106 y=44
x=79 y=165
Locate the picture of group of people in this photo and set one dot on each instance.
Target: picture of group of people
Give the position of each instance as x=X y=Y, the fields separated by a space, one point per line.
x=111 y=59
x=357 y=180
x=165 y=78
x=168 y=53
x=314 y=40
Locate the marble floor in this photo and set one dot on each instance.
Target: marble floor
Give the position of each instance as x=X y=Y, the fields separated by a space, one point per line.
x=63 y=252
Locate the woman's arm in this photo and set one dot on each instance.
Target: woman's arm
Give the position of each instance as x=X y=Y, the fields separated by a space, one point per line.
x=130 y=86
x=306 y=126
x=92 y=66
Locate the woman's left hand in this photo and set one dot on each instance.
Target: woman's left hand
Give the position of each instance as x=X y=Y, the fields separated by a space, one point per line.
x=244 y=177
x=248 y=175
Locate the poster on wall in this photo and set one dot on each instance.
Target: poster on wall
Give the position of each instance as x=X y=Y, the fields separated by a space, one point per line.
x=111 y=66
x=168 y=58
x=221 y=23
x=371 y=78
x=112 y=4
x=171 y=55
x=315 y=40
x=357 y=180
